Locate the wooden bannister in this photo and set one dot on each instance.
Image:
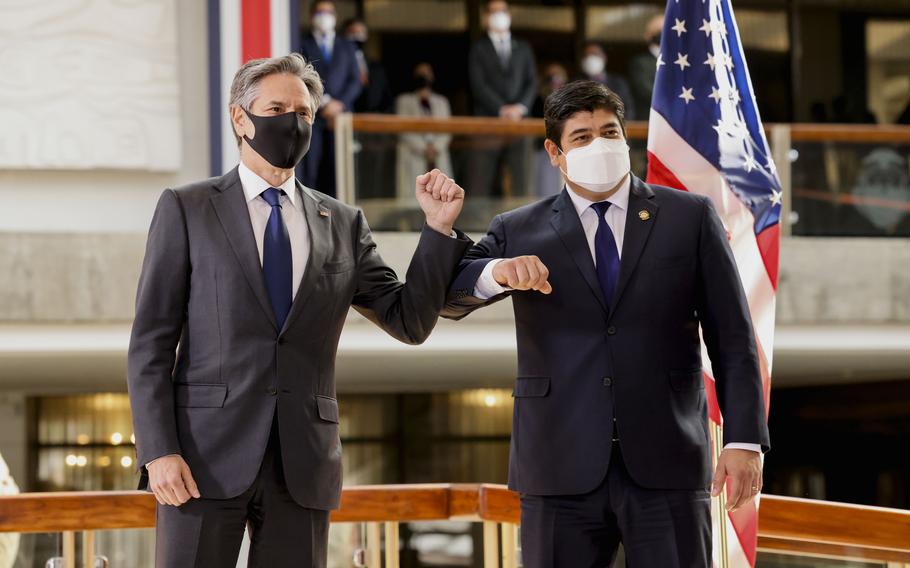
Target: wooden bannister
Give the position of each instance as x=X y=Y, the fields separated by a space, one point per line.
x=636 y=130
x=796 y=526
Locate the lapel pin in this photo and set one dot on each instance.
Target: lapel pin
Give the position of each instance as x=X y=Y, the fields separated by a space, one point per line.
x=644 y=215
x=323 y=213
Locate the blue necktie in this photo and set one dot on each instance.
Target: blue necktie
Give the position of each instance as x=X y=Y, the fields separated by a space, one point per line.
x=277 y=265
x=326 y=54
x=606 y=252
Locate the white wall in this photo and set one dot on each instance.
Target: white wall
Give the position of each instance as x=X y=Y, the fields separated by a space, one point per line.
x=113 y=200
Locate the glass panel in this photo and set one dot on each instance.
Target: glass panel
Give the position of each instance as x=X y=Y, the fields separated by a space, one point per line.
x=850 y=189
x=498 y=173
x=30 y=550
x=128 y=547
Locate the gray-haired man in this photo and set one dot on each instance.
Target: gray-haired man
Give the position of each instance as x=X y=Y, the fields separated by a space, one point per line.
x=248 y=277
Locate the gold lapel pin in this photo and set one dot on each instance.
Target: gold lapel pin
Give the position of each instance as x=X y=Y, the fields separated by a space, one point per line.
x=323 y=213
x=644 y=215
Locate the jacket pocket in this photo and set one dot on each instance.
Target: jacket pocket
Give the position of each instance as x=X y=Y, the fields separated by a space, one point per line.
x=531 y=387
x=327 y=408
x=199 y=395
x=692 y=379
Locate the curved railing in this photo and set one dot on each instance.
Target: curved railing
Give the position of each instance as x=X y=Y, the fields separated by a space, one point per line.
x=786 y=525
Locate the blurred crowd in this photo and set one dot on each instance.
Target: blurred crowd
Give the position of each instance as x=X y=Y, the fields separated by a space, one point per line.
x=503 y=80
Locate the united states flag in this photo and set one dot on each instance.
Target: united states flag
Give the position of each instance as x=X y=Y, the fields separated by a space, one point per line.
x=706 y=136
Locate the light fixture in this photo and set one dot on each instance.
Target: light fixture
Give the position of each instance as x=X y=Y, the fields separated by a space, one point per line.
x=116 y=438
x=104 y=461
x=126 y=461
x=82 y=439
x=490 y=400
x=81 y=461
x=71 y=460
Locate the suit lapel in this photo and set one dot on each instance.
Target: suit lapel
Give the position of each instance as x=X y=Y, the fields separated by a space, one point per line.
x=234 y=214
x=638 y=228
x=568 y=226
x=319 y=226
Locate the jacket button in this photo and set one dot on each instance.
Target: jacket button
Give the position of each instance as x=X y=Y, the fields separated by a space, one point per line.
x=608 y=382
x=272 y=391
x=611 y=330
x=282 y=340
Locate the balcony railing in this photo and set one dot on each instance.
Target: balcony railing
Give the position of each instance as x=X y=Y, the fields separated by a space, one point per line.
x=838 y=180
x=796 y=527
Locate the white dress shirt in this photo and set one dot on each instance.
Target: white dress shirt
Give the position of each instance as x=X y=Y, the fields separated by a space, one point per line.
x=291 y=212
x=487 y=286
x=502 y=43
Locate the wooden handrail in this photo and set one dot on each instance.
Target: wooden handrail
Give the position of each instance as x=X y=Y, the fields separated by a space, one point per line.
x=797 y=526
x=636 y=130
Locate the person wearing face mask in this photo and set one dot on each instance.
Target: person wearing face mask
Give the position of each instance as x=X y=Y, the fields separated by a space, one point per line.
x=643 y=66
x=417 y=152
x=245 y=286
x=376 y=95
x=335 y=60
x=594 y=68
x=503 y=80
x=610 y=281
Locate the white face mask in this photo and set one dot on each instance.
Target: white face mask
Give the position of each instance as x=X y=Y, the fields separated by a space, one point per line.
x=593 y=65
x=324 y=22
x=500 y=21
x=600 y=165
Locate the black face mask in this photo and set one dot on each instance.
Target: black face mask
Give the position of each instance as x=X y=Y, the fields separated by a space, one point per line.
x=282 y=140
x=422 y=82
x=655 y=40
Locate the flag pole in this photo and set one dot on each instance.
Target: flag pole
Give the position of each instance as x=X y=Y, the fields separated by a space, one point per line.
x=719 y=503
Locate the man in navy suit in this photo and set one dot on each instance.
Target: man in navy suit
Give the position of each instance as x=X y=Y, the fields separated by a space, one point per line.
x=335 y=59
x=610 y=281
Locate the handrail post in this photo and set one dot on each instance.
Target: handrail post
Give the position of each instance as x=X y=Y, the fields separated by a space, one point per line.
x=88 y=549
x=374 y=545
x=392 y=552
x=69 y=549
x=781 y=144
x=344 y=158
x=509 y=558
x=490 y=545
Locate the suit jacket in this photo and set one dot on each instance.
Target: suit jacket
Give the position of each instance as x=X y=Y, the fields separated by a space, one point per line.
x=411 y=146
x=494 y=85
x=340 y=75
x=202 y=293
x=585 y=360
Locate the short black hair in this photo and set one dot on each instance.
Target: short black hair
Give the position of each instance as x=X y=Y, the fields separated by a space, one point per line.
x=351 y=21
x=595 y=43
x=579 y=96
x=486 y=5
x=318 y=2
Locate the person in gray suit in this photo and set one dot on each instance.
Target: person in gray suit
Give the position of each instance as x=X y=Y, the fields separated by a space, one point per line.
x=244 y=290
x=503 y=79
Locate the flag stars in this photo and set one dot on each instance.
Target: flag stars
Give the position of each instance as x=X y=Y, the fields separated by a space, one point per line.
x=776 y=197
x=687 y=95
x=771 y=167
x=682 y=61
x=715 y=94
x=679 y=28
x=705 y=27
x=710 y=61
x=660 y=60
x=750 y=163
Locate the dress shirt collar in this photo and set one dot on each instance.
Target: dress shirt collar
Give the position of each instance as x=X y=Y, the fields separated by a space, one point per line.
x=498 y=37
x=323 y=38
x=619 y=199
x=253 y=185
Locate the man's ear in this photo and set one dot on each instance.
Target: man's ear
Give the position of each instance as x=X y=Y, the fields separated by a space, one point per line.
x=552 y=151
x=241 y=123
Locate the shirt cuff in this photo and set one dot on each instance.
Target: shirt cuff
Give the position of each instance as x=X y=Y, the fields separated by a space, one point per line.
x=158 y=458
x=487 y=286
x=740 y=446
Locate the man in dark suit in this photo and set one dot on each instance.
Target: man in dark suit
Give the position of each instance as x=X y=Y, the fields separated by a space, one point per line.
x=503 y=80
x=594 y=68
x=335 y=60
x=249 y=277
x=609 y=281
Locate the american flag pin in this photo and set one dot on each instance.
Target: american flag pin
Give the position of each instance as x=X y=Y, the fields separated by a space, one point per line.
x=323 y=213
x=644 y=215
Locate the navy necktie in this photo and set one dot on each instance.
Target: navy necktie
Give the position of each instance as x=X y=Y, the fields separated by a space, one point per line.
x=606 y=252
x=326 y=52
x=277 y=266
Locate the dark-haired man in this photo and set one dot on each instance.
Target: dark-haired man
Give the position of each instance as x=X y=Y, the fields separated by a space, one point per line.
x=609 y=282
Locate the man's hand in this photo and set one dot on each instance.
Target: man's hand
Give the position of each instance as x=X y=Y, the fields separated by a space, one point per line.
x=523 y=273
x=332 y=109
x=742 y=470
x=441 y=200
x=511 y=112
x=171 y=481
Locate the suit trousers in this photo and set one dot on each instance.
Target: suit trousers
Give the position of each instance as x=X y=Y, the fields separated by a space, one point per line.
x=657 y=527
x=208 y=532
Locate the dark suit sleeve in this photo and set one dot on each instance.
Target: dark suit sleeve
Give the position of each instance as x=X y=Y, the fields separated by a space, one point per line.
x=351 y=86
x=529 y=78
x=161 y=303
x=406 y=311
x=729 y=337
x=484 y=96
x=461 y=300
